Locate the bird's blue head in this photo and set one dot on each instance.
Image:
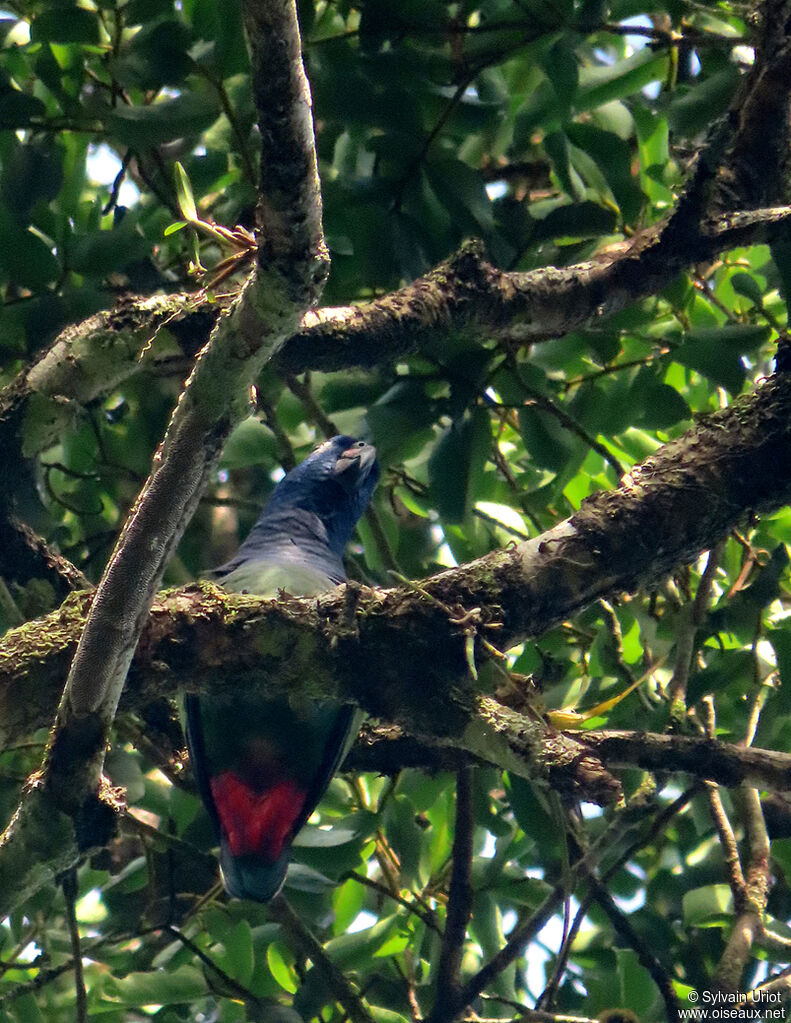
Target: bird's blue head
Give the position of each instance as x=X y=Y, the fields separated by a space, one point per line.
x=335 y=482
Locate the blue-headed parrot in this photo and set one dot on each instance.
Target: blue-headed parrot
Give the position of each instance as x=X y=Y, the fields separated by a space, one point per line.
x=263 y=764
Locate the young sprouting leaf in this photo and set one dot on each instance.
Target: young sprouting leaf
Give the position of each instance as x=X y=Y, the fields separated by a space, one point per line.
x=184 y=194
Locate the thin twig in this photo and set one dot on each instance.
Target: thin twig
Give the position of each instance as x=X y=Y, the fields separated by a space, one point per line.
x=614 y=368
x=335 y=980
x=301 y=389
x=112 y=202
x=647 y=959
x=459 y=905
x=383 y=546
x=759 y=699
x=687 y=36
x=227 y=108
x=691 y=618
x=730 y=848
x=747 y=925
x=780 y=982
x=287 y=457
x=535 y=397
x=241 y=991
x=517 y=941
x=658 y=826
x=613 y=626
x=69 y=885
x=426 y=916
x=722 y=824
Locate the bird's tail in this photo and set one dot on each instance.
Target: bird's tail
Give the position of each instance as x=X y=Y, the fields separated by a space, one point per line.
x=250 y=877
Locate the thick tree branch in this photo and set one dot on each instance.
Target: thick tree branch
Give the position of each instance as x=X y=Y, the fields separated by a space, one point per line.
x=725 y=763
x=684 y=498
x=463 y=293
x=467 y=293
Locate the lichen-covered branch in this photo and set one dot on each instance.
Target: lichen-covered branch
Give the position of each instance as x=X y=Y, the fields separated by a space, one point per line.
x=463 y=293
x=468 y=293
x=291 y=269
x=677 y=503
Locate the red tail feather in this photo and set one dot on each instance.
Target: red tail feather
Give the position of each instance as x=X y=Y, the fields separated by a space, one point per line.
x=256 y=822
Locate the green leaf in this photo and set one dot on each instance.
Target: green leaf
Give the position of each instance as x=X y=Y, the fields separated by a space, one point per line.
x=398 y=420
x=33 y=172
x=124 y=769
x=709 y=906
x=352 y=951
x=662 y=405
x=639 y=992
x=66 y=24
x=573 y=220
x=393 y=946
x=745 y=284
x=302 y=878
x=531 y=813
x=561 y=67
x=558 y=149
x=186 y=200
x=613 y=156
x=161 y=987
x=781 y=254
x=711 y=358
x=324 y=838
x=600 y=85
x=26 y=1009
x=780 y=639
x=137 y=11
x=251 y=443
x=716 y=353
x=281 y=963
x=163 y=121
x=740 y=337
x=102 y=253
x=382 y=1015
x=695 y=109
x=155 y=56
x=347 y=901
x=456 y=464
x=18 y=108
x=25 y=258
x=549 y=444
x=239 y=959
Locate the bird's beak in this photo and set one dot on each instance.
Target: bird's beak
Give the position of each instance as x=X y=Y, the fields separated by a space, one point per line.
x=355 y=462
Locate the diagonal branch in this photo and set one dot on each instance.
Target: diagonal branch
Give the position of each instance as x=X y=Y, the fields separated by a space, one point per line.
x=292 y=266
x=333 y=977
